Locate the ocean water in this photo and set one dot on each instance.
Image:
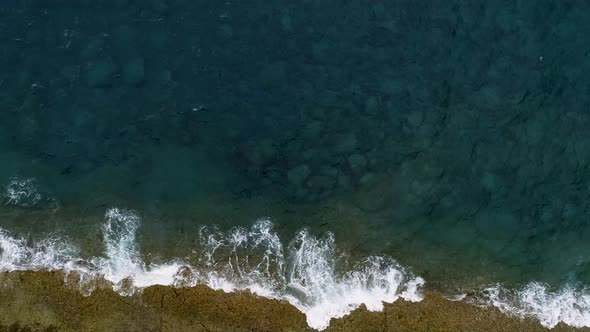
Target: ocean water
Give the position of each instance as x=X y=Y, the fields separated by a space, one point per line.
x=330 y=153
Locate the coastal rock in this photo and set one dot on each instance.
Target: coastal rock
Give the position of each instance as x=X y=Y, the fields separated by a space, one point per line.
x=100 y=74
x=133 y=72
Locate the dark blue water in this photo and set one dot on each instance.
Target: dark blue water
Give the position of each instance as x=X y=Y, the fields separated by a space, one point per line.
x=452 y=136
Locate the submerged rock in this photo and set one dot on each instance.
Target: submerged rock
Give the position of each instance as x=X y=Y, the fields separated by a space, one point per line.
x=357 y=163
x=258 y=154
x=345 y=143
x=344 y=182
x=321 y=182
x=367 y=179
x=100 y=74
x=93 y=48
x=375 y=195
x=134 y=72
x=312 y=131
x=273 y=75
x=497 y=224
x=298 y=175
x=372 y=105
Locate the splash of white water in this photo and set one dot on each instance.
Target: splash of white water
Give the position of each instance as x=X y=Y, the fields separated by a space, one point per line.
x=21 y=192
x=568 y=304
x=306 y=273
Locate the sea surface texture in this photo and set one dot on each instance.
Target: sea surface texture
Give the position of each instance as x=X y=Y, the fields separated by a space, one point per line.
x=330 y=153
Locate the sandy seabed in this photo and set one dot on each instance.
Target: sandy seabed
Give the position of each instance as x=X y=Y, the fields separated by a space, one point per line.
x=41 y=301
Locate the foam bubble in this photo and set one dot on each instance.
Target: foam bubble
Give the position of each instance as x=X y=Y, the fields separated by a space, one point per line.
x=309 y=272
x=11 y=251
x=242 y=258
x=456 y=297
x=568 y=305
x=122 y=260
x=305 y=273
x=51 y=253
x=22 y=192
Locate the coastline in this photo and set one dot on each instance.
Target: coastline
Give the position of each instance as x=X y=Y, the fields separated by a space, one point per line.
x=41 y=301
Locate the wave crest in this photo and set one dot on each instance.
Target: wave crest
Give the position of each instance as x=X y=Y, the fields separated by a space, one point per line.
x=306 y=273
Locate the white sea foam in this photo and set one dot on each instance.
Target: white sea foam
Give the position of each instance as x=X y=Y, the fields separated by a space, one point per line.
x=456 y=297
x=51 y=253
x=305 y=273
x=568 y=305
x=309 y=272
x=25 y=192
x=21 y=192
x=122 y=261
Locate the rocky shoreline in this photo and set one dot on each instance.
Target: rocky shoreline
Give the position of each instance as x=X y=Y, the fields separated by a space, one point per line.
x=41 y=301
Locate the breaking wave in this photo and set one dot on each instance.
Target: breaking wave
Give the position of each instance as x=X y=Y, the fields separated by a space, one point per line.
x=305 y=273
x=569 y=305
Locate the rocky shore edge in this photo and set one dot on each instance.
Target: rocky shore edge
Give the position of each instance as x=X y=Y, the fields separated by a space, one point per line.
x=41 y=301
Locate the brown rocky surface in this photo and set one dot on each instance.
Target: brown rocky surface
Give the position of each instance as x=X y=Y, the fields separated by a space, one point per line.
x=40 y=301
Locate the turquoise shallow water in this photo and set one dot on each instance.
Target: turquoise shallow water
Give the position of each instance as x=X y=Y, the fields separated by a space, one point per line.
x=451 y=136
